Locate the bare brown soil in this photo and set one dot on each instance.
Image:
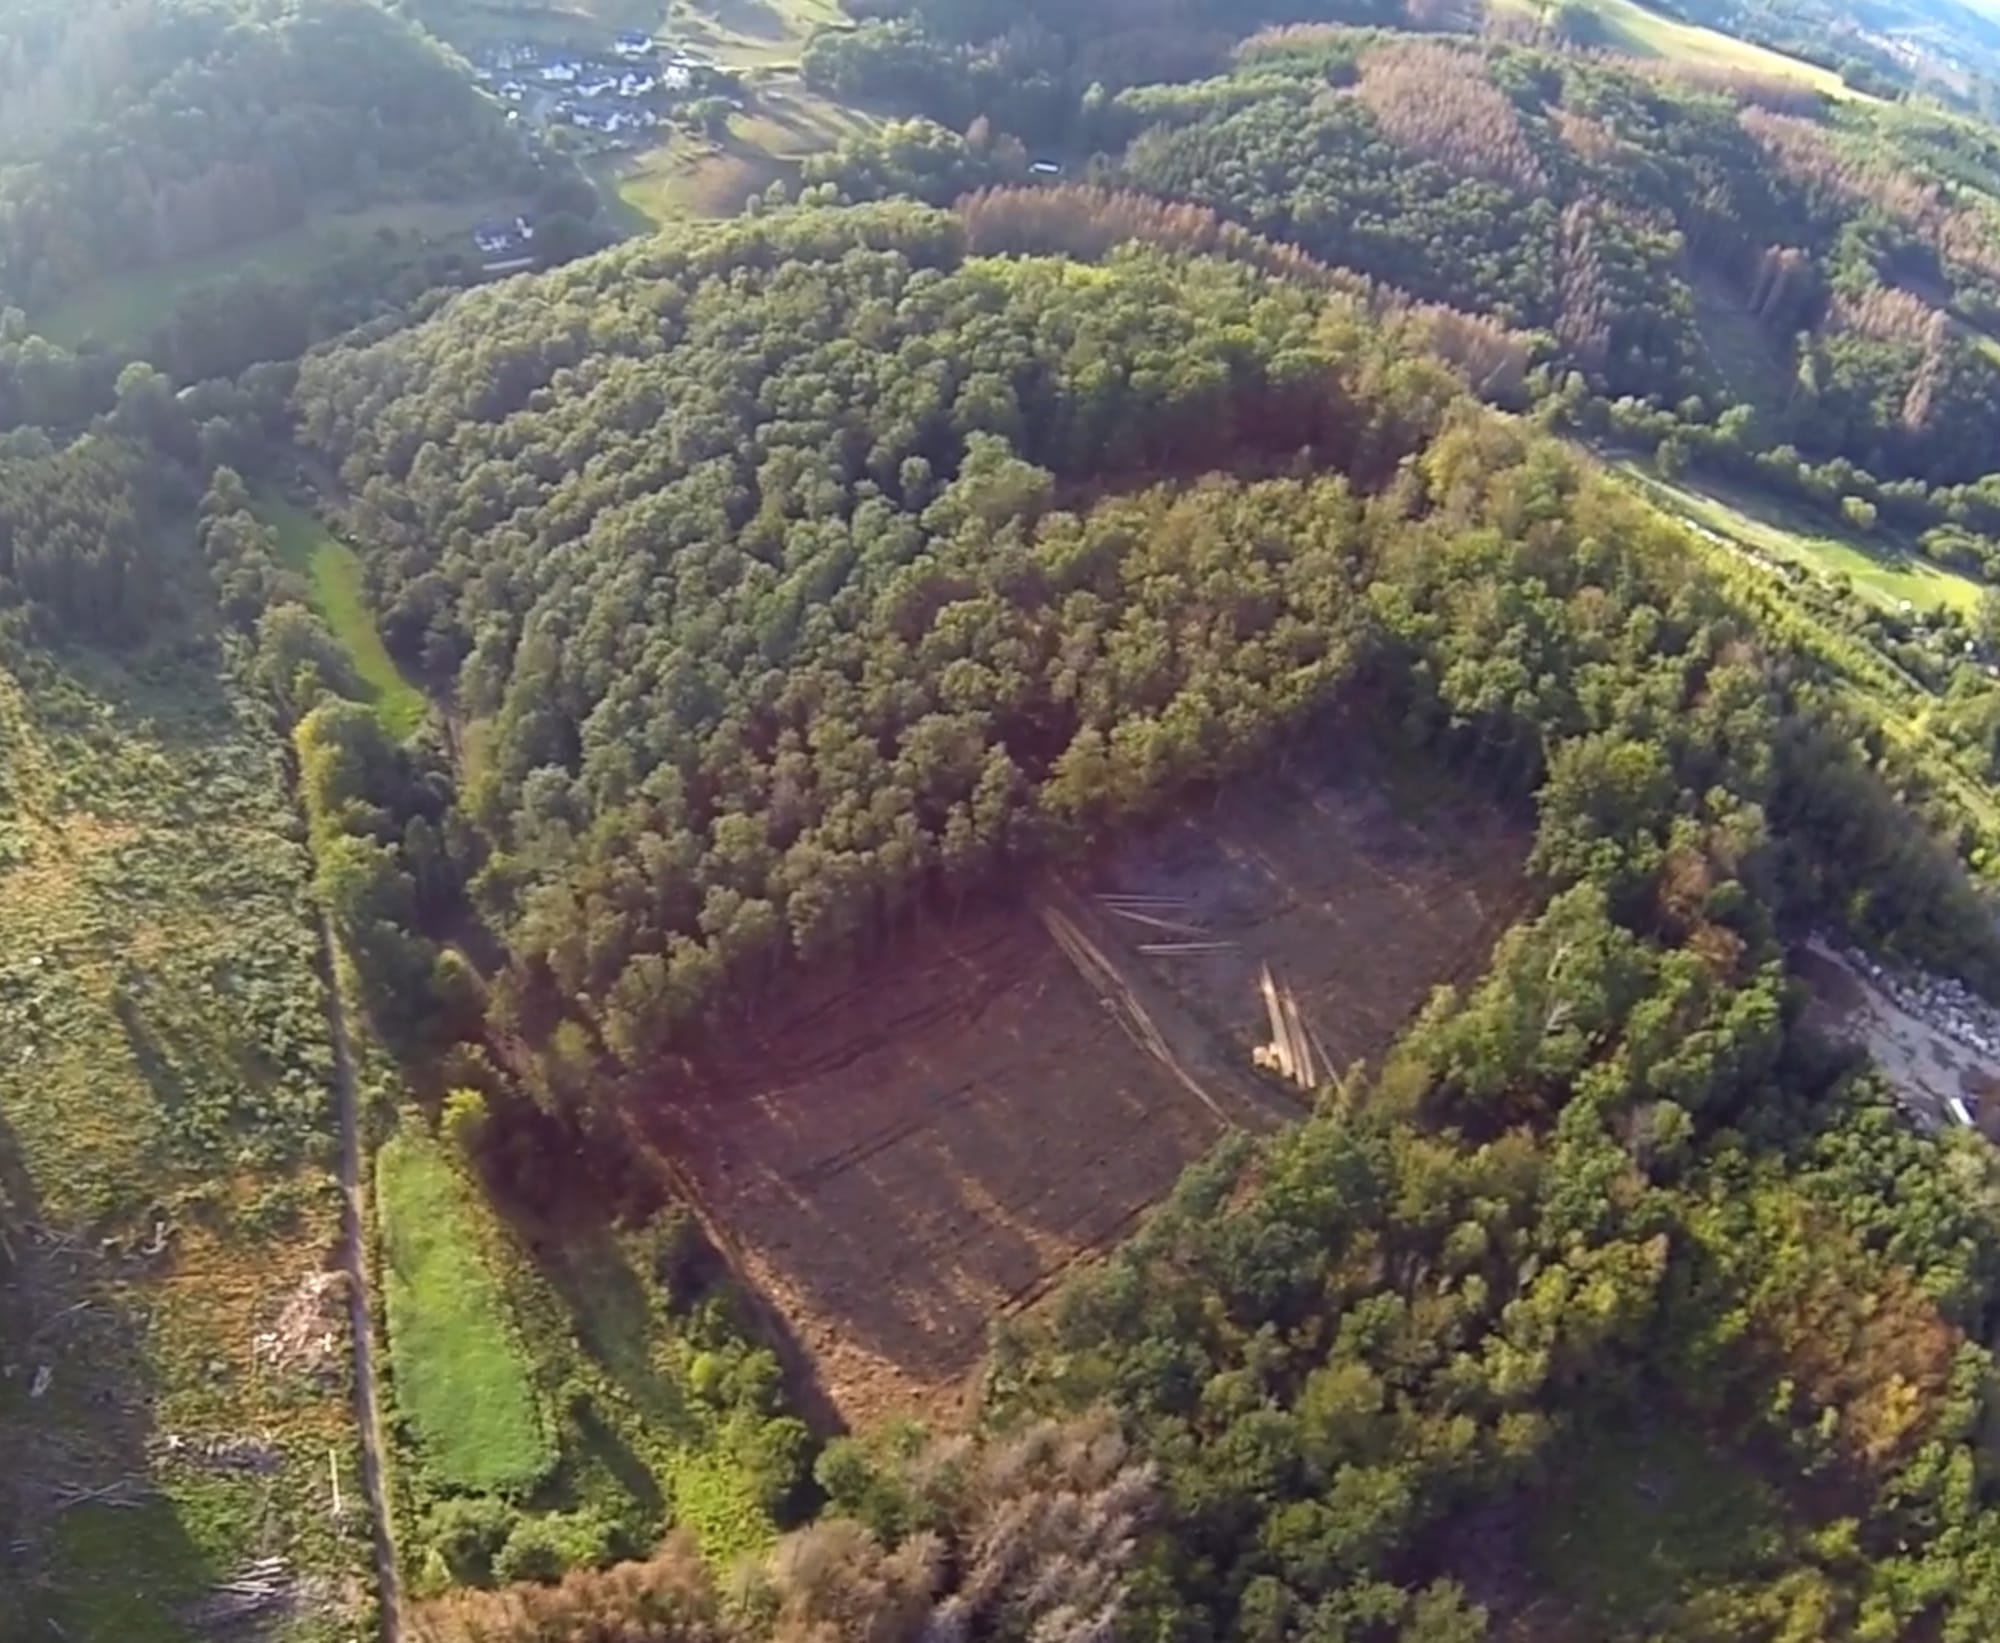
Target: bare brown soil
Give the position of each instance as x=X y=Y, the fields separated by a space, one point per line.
x=1357 y=906
x=898 y=1159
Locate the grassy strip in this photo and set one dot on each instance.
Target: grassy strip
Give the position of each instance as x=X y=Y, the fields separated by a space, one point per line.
x=461 y=1380
x=1880 y=570
x=333 y=571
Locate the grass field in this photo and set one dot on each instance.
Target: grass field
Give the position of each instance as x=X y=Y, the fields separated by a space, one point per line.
x=332 y=571
x=740 y=34
x=750 y=34
x=469 y=24
x=545 y=1361
x=1879 y=568
x=124 y=310
x=1629 y=27
x=689 y=179
x=683 y=180
x=461 y=1381
x=166 y=1194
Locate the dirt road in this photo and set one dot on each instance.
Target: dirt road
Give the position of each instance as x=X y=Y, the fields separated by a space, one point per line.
x=354 y=1259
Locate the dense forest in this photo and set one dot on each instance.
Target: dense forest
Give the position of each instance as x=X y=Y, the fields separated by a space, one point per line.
x=1716 y=256
x=1031 y=67
x=801 y=573
x=133 y=135
x=767 y=590
x=935 y=600
x=1604 y=207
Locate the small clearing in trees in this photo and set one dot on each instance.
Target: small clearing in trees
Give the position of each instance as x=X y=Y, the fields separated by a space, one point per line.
x=903 y=1156
x=1925 y=1052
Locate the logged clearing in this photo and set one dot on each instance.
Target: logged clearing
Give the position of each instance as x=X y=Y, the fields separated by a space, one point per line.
x=175 y=1426
x=1736 y=348
x=898 y=1160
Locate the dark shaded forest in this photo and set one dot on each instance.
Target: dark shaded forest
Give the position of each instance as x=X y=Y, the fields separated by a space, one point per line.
x=133 y=135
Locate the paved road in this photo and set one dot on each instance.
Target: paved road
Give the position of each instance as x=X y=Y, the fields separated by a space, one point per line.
x=354 y=1257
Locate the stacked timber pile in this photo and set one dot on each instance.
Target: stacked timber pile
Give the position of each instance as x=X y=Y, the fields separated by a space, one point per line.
x=1293 y=1051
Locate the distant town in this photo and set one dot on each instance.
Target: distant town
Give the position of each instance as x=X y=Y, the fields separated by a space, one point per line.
x=617 y=97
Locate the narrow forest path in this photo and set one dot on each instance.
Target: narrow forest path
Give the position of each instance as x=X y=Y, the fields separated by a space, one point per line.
x=354 y=1259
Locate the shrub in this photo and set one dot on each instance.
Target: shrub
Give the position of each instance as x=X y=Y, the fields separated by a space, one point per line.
x=546 y=1548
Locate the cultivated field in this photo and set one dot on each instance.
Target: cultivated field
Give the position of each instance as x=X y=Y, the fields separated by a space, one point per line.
x=900 y=1159
x=689 y=178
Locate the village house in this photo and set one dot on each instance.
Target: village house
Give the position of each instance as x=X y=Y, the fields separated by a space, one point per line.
x=500 y=237
x=613 y=90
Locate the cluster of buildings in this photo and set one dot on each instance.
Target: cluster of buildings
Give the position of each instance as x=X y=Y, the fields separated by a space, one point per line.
x=507 y=243
x=620 y=92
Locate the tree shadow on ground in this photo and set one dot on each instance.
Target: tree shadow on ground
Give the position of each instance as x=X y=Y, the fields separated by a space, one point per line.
x=87 y=1548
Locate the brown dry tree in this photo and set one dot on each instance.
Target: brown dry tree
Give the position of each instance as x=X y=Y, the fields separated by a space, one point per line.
x=1884 y=314
x=1035 y=1541
x=667 y=1598
x=1437 y=100
x=1583 y=322
x=1807 y=154
x=1083 y=221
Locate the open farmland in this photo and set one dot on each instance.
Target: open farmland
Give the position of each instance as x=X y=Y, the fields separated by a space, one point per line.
x=174 y=1375
x=1625 y=25
x=690 y=178
x=897 y=1160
